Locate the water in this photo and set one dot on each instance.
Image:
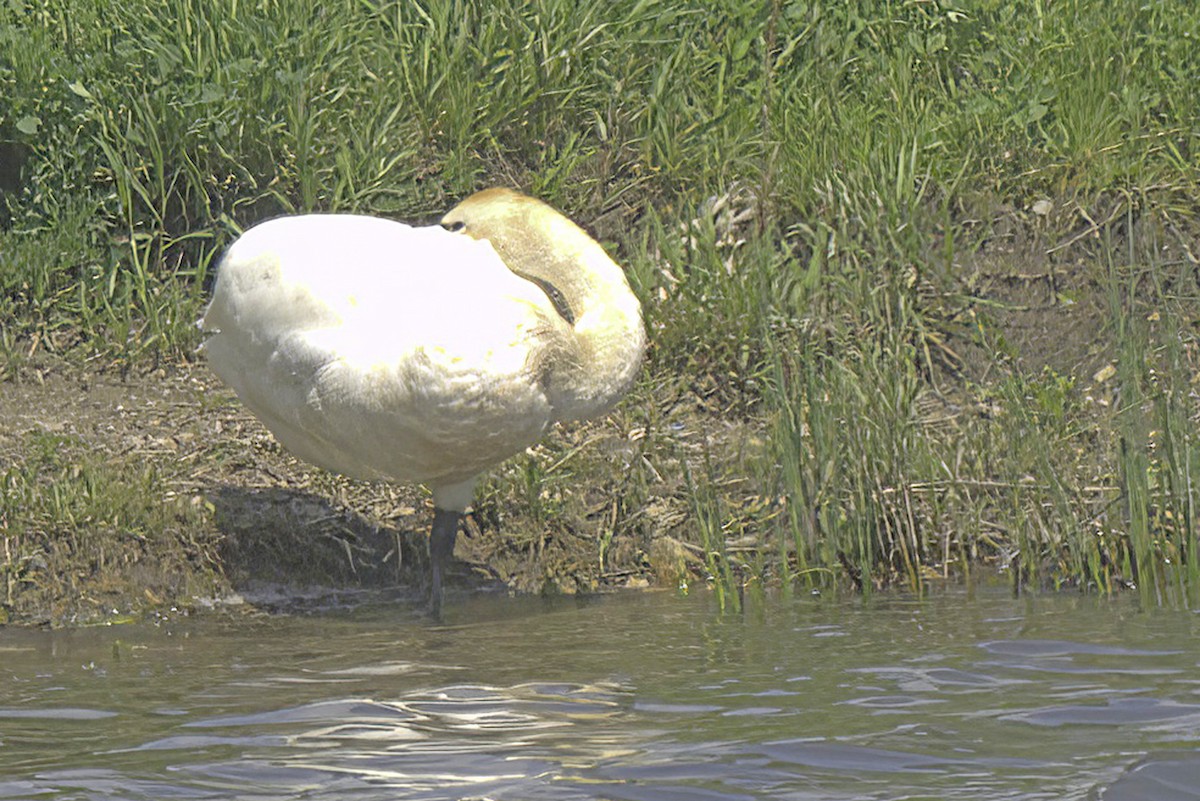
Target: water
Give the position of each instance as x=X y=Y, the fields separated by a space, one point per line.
x=642 y=697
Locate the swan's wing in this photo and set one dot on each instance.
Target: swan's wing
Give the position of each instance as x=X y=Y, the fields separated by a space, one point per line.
x=376 y=349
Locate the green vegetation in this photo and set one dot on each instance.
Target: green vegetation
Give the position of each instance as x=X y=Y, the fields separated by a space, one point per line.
x=921 y=277
x=108 y=517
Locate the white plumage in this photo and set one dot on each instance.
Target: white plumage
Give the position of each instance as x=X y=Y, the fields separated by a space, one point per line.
x=428 y=354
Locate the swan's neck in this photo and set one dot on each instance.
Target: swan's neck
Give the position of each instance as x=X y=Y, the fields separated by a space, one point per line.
x=608 y=341
x=602 y=337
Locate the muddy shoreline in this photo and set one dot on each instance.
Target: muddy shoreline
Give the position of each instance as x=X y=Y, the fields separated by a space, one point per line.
x=223 y=517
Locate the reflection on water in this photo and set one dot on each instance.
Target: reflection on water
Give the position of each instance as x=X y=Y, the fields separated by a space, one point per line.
x=641 y=697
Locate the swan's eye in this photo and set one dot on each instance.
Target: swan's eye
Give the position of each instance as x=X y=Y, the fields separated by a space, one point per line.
x=455 y=226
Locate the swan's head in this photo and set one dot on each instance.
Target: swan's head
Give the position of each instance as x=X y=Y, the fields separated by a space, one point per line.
x=538 y=243
x=532 y=237
x=503 y=216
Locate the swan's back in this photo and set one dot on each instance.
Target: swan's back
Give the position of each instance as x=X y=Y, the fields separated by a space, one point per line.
x=379 y=350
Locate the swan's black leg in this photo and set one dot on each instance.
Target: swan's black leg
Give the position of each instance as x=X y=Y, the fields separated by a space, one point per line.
x=441 y=549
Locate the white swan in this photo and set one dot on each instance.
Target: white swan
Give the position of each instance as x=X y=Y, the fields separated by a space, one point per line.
x=383 y=351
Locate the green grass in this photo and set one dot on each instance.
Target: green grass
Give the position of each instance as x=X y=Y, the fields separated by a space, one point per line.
x=884 y=165
x=78 y=523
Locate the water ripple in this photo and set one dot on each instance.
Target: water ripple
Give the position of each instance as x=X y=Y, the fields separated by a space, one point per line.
x=645 y=699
